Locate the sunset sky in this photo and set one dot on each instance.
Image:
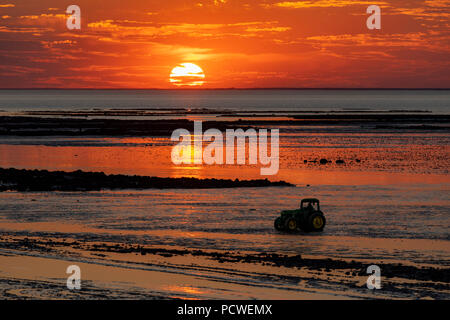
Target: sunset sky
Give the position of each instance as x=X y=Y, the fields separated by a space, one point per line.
x=237 y=43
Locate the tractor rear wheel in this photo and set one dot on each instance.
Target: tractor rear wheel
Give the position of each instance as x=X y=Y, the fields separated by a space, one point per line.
x=291 y=225
x=278 y=224
x=316 y=222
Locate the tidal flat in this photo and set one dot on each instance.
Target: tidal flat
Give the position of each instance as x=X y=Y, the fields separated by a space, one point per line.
x=383 y=186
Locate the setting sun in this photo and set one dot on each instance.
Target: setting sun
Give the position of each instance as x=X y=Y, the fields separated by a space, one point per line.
x=187 y=74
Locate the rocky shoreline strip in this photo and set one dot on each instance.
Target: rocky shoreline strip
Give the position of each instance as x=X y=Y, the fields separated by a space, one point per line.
x=79 y=126
x=43 y=180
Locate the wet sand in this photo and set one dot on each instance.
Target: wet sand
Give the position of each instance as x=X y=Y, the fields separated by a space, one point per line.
x=118 y=270
x=198 y=244
x=384 y=190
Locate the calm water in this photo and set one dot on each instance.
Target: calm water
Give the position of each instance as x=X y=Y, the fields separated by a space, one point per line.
x=437 y=101
x=402 y=222
x=389 y=202
x=384 y=158
x=393 y=204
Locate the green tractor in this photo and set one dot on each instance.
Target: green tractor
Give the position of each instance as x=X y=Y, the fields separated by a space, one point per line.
x=308 y=218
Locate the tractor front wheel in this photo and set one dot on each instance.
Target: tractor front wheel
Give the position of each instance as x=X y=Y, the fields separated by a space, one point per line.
x=291 y=225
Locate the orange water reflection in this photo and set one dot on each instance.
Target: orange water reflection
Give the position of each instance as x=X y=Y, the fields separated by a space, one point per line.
x=142 y=156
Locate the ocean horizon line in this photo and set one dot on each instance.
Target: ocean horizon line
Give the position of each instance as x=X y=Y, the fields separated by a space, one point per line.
x=230 y=89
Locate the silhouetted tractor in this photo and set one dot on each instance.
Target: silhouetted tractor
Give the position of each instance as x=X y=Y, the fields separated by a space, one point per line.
x=308 y=218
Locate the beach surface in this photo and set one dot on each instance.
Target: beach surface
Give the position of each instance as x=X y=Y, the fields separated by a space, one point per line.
x=198 y=244
x=384 y=189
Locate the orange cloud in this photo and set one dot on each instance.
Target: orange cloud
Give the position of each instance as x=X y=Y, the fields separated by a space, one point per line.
x=44 y=17
x=126 y=28
x=237 y=43
x=323 y=4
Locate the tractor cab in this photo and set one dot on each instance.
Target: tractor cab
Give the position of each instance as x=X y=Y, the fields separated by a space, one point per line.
x=310 y=204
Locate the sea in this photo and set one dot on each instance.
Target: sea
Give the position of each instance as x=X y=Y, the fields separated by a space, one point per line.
x=388 y=202
x=436 y=101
